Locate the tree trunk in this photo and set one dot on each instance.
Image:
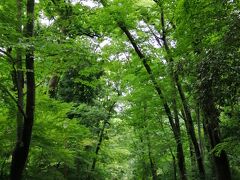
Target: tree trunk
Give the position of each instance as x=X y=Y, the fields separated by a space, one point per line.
x=101 y=136
x=144 y=166
x=174 y=167
x=18 y=83
x=200 y=138
x=192 y=156
x=177 y=134
x=212 y=126
x=191 y=131
x=176 y=131
x=152 y=164
x=20 y=153
x=187 y=112
x=188 y=120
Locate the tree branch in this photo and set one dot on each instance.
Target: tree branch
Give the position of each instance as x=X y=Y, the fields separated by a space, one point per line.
x=13 y=98
x=7 y=54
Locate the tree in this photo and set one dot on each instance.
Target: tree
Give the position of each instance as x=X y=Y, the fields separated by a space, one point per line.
x=21 y=151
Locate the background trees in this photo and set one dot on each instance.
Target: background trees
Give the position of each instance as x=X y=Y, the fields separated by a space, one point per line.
x=124 y=89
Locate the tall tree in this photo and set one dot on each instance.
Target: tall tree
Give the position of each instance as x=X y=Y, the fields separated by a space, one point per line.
x=157 y=87
x=20 y=154
x=206 y=45
x=187 y=113
x=19 y=83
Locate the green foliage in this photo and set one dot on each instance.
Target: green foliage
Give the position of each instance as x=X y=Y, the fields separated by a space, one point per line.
x=97 y=66
x=57 y=140
x=79 y=85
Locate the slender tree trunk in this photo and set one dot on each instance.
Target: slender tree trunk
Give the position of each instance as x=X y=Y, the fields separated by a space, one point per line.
x=208 y=148
x=101 y=136
x=187 y=112
x=20 y=78
x=191 y=131
x=192 y=156
x=144 y=167
x=188 y=120
x=200 y=139
x=177 y=135
x=152 y=164
x=20 y=154
x=180 y=153
x=212 y=126
x=148 y=140
x=174 y=166
x=18 y=83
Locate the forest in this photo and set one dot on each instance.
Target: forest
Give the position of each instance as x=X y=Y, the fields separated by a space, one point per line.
x=119 y=89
